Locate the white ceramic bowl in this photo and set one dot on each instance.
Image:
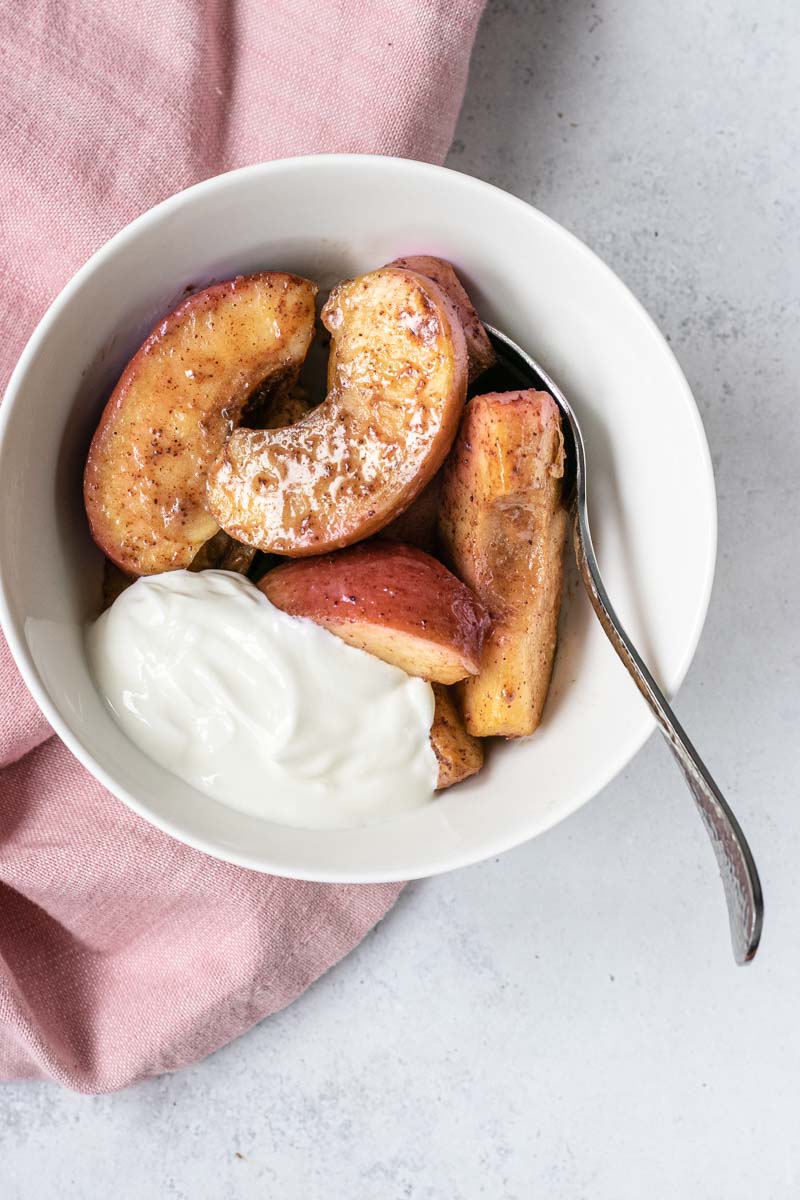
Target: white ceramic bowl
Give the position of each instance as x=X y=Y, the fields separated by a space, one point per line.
x=652 y=491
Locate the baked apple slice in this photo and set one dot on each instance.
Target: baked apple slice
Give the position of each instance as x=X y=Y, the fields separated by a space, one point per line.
x=397 y=383
x=502 y=526
x=480 y=352
x=418 y=524
x=458 y=753
x=174 y=408
x=394 y=601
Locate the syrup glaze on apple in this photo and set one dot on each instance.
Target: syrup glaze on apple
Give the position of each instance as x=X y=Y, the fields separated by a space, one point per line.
x=480 y=352
x=397 y=384
x=175 y=406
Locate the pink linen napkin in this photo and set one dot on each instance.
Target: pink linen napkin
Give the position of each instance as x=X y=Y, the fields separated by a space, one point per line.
x=123 y=953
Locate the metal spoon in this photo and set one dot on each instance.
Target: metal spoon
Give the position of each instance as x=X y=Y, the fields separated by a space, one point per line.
x=738 y=870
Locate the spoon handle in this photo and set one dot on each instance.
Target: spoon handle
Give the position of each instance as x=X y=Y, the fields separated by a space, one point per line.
x=738 y=870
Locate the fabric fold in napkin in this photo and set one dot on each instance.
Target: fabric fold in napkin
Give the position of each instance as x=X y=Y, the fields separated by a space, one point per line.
x=123 y=953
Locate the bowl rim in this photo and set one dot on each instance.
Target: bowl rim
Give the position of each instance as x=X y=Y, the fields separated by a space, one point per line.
x=458 y=856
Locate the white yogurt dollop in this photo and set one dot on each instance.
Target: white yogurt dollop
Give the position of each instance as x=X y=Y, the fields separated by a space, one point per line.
x=267 y=713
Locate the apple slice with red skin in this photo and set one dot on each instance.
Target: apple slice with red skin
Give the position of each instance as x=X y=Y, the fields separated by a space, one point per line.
x=174 y=408
x=480 y=352
x=394 y=601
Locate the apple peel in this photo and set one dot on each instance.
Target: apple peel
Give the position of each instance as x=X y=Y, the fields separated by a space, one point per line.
x=174 y=408
x=394 y=601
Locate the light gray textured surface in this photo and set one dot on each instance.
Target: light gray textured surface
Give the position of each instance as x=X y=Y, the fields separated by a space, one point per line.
x=566 y=1022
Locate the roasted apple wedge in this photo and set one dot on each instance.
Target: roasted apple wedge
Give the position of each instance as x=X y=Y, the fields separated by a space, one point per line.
x=458 y=753
x=502 y=526
x=394 y=601
x=480 y=353
x=174 y=408
x=418 y=524
x=397 y=383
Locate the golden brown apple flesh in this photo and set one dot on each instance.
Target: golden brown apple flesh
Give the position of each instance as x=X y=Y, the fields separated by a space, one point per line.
x=503 y=525
x=393 y=601
x=418 y=524
x=175 y=407
x=397 y=382
x=458 y=753
x=480 y=353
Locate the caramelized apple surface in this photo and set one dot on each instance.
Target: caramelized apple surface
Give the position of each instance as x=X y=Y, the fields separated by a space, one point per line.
x=480 y=353
x=174 y=408
x=503 y=526
x=397 y=383
x=458 y=753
